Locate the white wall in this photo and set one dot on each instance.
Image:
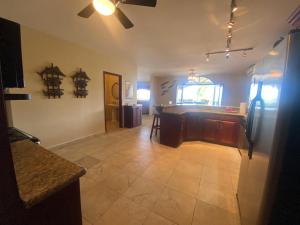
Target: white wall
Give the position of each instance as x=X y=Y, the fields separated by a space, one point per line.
x=235 y=89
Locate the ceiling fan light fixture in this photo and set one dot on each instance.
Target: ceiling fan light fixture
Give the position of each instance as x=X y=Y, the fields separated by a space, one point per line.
x=104 y=7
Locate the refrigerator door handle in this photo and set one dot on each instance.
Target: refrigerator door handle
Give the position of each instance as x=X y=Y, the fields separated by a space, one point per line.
x=250 y=119
x=249 y=127
x=250 y=135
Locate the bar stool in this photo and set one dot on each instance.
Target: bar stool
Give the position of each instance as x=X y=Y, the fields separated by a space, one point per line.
x=156 y=121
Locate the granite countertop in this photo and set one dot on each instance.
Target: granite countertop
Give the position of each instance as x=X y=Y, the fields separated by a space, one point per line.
x=183 y=111
x=40 y=173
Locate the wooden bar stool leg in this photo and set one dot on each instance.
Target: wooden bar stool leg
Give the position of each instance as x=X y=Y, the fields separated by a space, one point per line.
x=153 y=123
x=157 y=125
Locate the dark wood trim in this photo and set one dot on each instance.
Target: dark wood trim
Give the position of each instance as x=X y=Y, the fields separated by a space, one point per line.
x=9 y=195
x=120 y=98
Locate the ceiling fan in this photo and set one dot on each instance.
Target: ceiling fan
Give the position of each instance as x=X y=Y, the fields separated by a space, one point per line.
x=109 y=7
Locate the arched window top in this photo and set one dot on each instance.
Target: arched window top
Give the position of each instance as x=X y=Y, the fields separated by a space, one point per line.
x=199 y=80
x=205 y=80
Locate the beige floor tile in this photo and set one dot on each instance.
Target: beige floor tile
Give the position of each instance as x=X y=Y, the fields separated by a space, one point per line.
x=87 y=162
x=135 y=167
x=132 y=176
x=175 y=206
x=71 y=155
x=158 y=173
x=217 y=176
x=144 y=192
x=96 y=200
x=120 y=182
x=188 y=168
x=124 y=212
x=154 y=219
x=101 y=171
x=206 y=214
x=186 y=184
x=218 y=198
x=101 y=154
x=85 y=222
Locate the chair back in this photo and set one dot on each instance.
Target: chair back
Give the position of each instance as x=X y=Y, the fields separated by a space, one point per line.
x=158 y=110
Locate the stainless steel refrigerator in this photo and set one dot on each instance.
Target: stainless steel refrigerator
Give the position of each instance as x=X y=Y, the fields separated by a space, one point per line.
x=273 y=99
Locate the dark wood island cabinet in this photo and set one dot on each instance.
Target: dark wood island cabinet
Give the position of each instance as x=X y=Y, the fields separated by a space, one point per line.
x=214 y=127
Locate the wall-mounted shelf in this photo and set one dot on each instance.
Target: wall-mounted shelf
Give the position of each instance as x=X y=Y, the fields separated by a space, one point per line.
x=15 y=97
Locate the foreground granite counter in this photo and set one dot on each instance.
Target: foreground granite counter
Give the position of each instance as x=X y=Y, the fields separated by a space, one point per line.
x=40 y=173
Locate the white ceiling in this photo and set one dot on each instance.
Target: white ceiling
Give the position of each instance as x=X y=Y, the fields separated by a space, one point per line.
x=167 y=40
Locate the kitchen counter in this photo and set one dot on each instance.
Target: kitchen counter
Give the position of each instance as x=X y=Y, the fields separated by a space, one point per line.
x=193 y=123
x=181 y=109
x=40 y=173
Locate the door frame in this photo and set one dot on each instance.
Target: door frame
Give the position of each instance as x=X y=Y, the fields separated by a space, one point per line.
x=120 y=98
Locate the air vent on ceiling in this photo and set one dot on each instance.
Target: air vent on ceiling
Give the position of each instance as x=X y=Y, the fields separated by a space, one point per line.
x=294 y=18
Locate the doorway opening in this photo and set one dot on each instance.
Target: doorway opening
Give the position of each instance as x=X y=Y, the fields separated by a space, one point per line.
x=112 y=101
x=143 y=96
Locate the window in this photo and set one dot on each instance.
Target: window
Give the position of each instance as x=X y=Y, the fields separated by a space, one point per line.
x=204 y=91
x=143 y=94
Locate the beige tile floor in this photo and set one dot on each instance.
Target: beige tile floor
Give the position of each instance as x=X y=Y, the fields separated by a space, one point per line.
x=131 y=180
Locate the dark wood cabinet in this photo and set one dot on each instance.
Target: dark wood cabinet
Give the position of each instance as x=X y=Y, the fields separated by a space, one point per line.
x=228 y=133
x=210 y=130
x=132 y=116
x=215 y=128
x=171 y=129
x=193 y=128
x=221 y=132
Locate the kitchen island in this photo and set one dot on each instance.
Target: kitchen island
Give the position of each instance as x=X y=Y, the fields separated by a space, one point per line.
x=197 y=123
x=48 y=185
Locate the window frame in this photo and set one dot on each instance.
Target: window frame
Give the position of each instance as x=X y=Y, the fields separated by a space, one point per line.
x=214 y=102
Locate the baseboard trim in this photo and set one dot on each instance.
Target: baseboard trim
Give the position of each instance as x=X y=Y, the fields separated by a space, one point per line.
x=73 y=141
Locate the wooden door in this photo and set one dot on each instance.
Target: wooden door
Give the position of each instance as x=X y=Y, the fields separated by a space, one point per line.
x=210 y=130
x=112 y=101
x=228 y=133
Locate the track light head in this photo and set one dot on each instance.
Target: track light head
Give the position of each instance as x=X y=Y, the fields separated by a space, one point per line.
x=207 y=57
x=234 y=7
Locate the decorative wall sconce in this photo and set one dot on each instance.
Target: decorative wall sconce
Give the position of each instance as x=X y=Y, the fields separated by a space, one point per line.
x=80 y=80
x=52 y=77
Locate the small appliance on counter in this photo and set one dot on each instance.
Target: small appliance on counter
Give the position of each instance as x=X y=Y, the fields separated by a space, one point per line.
x=15 y=135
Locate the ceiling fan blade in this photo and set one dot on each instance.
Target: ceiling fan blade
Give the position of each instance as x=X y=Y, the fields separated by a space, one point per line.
x=149 y=3
x=87 y=11
x=123 y=19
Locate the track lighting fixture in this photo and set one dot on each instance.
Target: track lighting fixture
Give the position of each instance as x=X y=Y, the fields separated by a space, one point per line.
x=228 y=49
x=207 y=57
x=230 y=24
x=234 y=7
